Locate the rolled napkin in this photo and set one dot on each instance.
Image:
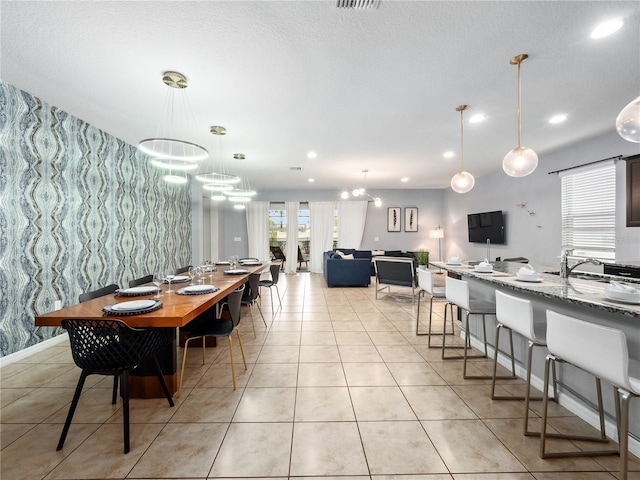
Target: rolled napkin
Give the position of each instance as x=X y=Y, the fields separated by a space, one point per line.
x=454 y=259
x=484 y=266
x=620 y=287
x=527 y=271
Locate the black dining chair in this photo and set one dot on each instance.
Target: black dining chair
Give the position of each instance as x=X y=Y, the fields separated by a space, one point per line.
x=101 y=292
x=250 y=296
x=182 y=270
x=111 y=347
x=140 y=281
x=302 y=259
x=275 y=276
x=278 y=254
x=218 y=328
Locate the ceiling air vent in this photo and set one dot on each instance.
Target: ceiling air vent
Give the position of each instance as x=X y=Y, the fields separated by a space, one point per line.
x=295 y=169
x=357 y=4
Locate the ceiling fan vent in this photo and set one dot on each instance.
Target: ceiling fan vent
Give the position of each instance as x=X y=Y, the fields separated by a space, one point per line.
x=295 y=169
x=357 y=4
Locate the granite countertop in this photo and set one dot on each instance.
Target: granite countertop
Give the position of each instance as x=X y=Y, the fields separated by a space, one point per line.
x=582 y=289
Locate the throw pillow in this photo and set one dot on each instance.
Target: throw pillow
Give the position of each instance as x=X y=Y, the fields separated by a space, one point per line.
x=347 y=257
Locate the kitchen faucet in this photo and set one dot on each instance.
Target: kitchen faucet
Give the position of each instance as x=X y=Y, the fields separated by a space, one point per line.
x=565 y=269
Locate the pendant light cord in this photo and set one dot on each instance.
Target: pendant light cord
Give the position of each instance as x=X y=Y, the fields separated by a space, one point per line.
x=461 y=140
x=519 y=112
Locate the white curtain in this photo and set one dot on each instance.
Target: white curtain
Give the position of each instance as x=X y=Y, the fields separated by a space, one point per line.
x=291 y=250
x=321 y=216
x=258 y=229
x=351 y=220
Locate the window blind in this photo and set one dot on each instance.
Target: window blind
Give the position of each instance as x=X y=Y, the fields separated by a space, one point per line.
x=589 y=211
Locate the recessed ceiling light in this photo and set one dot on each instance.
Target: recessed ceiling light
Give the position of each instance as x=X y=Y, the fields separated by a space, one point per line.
x=311 y=180
x=478 y=117
x=448 y=154
x=405 y=179
x=312 y=155
x=559 y=118
x=607 y=28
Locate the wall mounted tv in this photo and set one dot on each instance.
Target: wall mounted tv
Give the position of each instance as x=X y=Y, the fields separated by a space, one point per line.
x=486 y=226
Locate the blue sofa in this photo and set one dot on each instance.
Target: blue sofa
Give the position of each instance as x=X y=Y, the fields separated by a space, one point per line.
x=339 y=272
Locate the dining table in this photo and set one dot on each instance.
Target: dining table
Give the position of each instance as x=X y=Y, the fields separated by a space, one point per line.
x=176 y=311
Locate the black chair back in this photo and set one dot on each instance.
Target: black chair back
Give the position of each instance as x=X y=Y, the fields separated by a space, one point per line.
x=277 y=252
x=234 y=301
x=140 y=281
x=182 y=270
x=101 y=292
x=107 y=346
x=252 y=293
x=275 y=273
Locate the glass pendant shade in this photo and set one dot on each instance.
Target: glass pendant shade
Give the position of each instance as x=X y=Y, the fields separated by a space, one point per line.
x=628 y=122
x=462 y=182
x=520 y=162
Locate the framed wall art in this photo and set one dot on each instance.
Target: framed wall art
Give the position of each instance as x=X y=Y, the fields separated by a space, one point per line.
x=393 y=219
x=411 y=219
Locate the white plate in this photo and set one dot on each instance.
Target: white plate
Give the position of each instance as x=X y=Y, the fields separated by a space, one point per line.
x=250 y=263
x=529 y=278
x=139 y=290
x=133 y=305
x=180 y=278
x=627 y=299
x=198 y=288
x=222 y=263
x=483 y=270
x=237 y=271
x=454 y=263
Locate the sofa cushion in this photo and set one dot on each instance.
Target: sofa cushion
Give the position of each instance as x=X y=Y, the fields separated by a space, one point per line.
x=348 y=257
x=393 y=253
x=362 y=254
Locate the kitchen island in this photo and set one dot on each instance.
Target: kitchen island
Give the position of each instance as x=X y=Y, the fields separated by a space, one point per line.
x=581 y=296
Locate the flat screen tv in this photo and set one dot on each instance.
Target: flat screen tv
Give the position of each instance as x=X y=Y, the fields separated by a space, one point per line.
x=486 y=226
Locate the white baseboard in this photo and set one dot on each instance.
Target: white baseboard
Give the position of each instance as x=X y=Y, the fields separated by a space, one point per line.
x=33 y=349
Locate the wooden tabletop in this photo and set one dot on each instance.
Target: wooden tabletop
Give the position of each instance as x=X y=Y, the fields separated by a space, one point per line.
x=176 y=311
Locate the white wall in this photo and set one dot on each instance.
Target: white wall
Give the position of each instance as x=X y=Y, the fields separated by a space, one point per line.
x=538 y=236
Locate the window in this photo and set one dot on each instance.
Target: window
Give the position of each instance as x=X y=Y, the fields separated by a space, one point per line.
x=277 y=225
x=589 y=211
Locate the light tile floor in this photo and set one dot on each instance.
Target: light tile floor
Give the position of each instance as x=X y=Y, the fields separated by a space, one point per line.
x=338 y=386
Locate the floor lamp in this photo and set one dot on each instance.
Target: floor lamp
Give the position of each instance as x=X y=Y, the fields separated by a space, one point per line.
x=439 y=234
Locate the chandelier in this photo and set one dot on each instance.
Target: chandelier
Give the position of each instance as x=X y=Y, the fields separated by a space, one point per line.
x=163 y=145
x=362 y=192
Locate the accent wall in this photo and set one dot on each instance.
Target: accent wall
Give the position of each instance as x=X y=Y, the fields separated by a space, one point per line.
x=79 y=209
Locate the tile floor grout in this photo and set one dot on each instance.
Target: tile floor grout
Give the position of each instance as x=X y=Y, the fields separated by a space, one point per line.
x=385 y=403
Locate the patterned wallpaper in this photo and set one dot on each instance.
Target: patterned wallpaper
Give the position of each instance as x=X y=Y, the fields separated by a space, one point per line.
x=79 y=209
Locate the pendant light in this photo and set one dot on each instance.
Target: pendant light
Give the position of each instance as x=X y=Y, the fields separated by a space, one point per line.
x=521 y=161
x=162 y=145
x=214 y=176
x=628 y=122
x=462 y=181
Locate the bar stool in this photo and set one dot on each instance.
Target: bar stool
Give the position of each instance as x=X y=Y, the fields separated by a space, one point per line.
x=425 y=282
x=457 y=293
x=603 y=352
x=516 y=315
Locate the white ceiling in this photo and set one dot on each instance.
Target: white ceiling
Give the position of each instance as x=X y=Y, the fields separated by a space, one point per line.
x=366 y=89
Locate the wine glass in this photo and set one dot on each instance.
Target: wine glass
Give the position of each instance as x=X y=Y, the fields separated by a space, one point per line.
x=192 y=273
x=158 y=277
x=169 y=276
x=199 y=273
